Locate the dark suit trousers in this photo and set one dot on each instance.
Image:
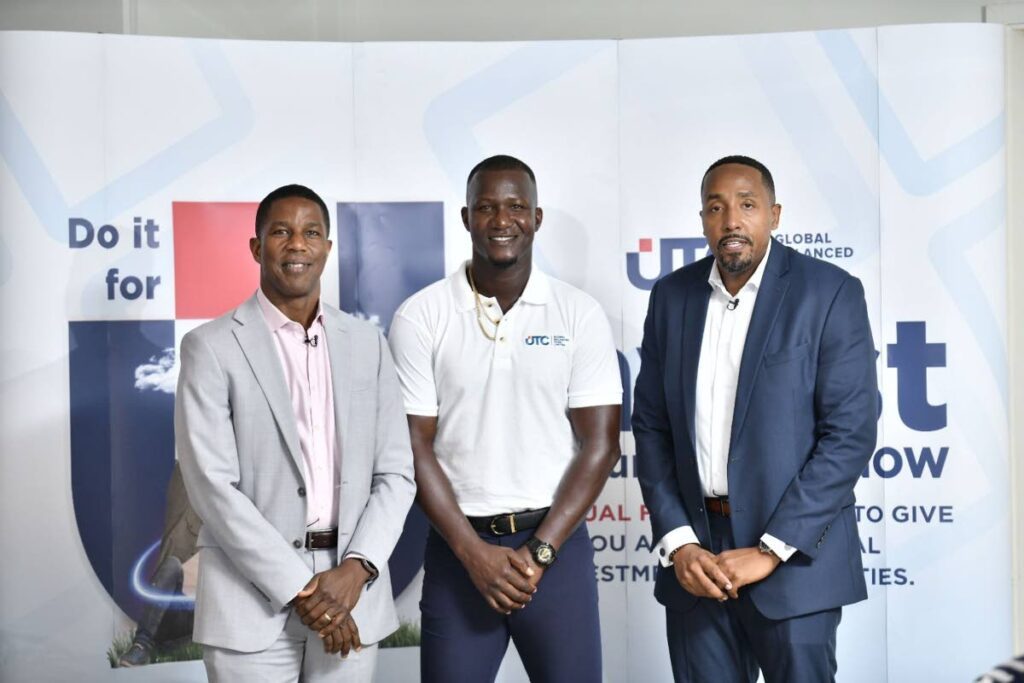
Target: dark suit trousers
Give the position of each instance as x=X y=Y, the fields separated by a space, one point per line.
x=557 y=634
x=727 y=642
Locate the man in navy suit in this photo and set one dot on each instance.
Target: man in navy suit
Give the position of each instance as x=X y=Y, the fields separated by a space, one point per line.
x=755 y=412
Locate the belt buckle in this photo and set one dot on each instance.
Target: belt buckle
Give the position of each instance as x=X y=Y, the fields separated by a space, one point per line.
x=314 y=538
x=511 y=524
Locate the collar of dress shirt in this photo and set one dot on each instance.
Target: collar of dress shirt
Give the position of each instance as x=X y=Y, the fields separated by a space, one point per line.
x=537 y=290
x=754 y=283
x=275 y=319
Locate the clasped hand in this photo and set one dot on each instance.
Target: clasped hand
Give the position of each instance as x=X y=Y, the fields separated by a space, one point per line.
x=706 y=575
x=325 y=605
x=506 y=577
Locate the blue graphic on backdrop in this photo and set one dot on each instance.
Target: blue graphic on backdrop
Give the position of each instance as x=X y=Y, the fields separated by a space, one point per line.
x=122 y=445
x=386 y=253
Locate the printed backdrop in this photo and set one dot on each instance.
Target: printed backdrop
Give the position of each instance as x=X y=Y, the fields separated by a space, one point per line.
x=129 y=172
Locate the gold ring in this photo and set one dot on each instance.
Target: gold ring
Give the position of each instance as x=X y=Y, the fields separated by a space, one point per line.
x=327 y=617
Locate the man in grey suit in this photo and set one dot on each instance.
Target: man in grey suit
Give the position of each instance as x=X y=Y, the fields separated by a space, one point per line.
x=290 y=432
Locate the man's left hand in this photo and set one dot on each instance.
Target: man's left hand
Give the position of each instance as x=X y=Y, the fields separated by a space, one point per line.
x=334 y=592
x=745 y=566
x=538 y=571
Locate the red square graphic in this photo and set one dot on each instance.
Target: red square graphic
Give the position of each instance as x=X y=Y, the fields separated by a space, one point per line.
x=213 y=268
x=646 y=244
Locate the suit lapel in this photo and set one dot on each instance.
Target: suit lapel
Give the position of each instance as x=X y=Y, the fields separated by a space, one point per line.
x=258 y=347
x=339 y=346
x=695 y=312
x=772 y=293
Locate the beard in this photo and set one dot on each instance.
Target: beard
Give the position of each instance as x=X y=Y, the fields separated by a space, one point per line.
x=735 y=263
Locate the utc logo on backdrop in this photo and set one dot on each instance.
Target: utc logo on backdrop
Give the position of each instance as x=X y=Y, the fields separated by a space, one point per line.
x=688 y=248
x=123 y=372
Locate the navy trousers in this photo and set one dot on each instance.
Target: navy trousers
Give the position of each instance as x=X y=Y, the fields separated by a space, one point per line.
x=557 y=635
x=719 y=642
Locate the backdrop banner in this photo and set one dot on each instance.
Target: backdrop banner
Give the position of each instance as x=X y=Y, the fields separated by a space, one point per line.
x=130 y=170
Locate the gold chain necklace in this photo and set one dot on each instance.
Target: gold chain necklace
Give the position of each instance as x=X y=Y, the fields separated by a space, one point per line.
x=481 y=314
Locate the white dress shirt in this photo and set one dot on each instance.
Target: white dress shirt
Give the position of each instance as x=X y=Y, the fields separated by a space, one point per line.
x=718 y=371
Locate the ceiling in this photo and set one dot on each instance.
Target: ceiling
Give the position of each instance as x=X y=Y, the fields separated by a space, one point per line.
x=375 y=20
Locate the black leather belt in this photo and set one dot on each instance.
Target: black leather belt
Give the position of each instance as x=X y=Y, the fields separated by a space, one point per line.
x=322 y=540
x=503 y=525
x=719 y=506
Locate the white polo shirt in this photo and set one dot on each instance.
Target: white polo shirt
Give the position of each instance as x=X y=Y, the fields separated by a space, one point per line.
x=503 y=433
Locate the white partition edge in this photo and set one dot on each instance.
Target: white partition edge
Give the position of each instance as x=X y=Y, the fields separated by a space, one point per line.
x=1015 y=316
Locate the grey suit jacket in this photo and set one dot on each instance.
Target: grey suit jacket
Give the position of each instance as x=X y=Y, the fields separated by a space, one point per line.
x=238 y=446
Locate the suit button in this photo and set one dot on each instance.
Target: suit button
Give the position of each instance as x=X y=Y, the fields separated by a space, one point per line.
x=302 y=492
x=297 y=543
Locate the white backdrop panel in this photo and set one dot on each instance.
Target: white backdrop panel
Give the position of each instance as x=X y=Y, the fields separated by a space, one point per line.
x=887 y=149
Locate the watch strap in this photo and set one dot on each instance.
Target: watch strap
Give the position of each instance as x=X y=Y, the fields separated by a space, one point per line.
x=767 y=549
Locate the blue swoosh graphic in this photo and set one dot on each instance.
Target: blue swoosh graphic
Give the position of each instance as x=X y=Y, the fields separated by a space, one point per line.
x=41 y=189
x=449 y=119
x=947 y=250
x=853 y=201
x=916 y=175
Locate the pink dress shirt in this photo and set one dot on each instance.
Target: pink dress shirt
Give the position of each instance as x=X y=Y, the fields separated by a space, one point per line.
x=307 y=373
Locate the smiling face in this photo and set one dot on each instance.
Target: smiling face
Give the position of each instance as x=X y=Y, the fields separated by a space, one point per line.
x=738 y=214
x=292 y=249
x=501 y=216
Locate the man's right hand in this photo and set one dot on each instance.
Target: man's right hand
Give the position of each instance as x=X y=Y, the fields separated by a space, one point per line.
x=501 y=576
x=698 y=573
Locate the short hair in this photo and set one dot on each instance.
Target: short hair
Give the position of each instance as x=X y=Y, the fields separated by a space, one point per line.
x=285 y=192
x=501 y=162
x=766 y=175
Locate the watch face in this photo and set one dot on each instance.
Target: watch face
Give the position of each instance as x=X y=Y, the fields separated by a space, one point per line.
x=544 y=555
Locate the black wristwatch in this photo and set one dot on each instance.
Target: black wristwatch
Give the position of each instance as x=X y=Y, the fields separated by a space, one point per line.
x=543 y=553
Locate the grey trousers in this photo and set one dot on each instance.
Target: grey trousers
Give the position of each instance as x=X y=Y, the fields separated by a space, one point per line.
x=297 y=654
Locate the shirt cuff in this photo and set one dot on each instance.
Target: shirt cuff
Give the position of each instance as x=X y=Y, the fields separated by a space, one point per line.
x=780 y=548
x=676 y=538
x=369 y=566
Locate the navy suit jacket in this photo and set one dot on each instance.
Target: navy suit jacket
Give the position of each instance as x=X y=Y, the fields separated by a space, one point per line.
x=803 y=429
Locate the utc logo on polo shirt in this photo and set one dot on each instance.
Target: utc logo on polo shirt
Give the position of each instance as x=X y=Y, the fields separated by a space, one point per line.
x=546 y=340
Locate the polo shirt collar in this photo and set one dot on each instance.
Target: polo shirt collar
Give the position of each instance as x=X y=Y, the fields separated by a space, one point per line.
x=537 y=291
x=461 y=290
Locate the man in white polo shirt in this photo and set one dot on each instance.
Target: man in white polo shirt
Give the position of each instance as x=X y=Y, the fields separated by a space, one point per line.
x=513 y=392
